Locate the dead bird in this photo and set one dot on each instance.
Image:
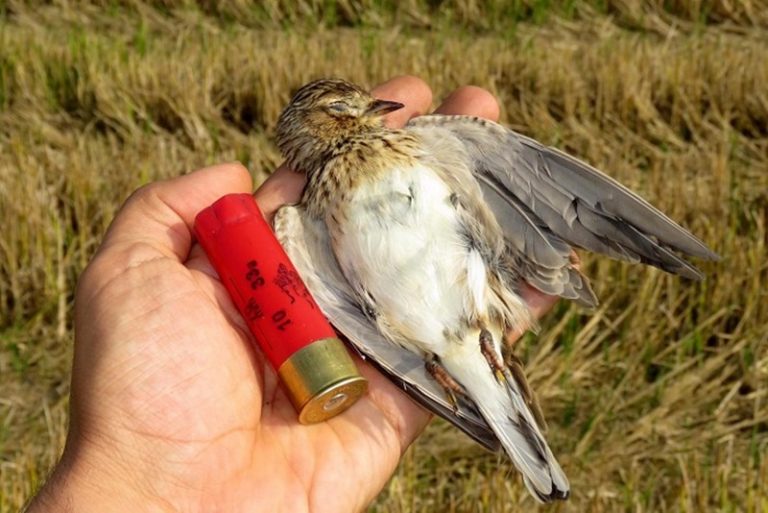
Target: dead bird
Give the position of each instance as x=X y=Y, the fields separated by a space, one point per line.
x=415 y=243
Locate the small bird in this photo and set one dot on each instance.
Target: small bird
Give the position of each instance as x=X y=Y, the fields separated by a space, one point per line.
x=415 y=243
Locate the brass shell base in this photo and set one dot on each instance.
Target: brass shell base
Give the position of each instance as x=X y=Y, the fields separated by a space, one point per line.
x=322 y=380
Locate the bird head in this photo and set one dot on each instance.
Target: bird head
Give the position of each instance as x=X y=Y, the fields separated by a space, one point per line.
x=323 y=115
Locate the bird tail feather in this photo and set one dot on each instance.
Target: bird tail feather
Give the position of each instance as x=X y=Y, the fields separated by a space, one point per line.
x=503 y=406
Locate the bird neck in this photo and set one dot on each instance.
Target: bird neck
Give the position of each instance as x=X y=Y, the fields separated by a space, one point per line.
x=352 y=161
x=309 y=151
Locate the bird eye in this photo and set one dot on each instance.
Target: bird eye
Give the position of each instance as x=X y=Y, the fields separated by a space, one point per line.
x=338 y=107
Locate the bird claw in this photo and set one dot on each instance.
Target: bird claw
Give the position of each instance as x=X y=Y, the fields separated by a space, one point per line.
x=494 y=361
x=440 y=375
x=453 y=400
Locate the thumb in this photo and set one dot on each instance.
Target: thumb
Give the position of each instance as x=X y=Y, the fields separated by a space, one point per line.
x=161 y=215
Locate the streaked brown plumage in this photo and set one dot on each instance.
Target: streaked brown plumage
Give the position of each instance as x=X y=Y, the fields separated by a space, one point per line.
x=415 y=242
x=327 y=134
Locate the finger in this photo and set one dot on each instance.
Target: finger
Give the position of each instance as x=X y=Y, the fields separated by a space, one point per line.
x=161 y=215
x=411 y=91
x=538 y=302
x=471 y=101
x=284 y=186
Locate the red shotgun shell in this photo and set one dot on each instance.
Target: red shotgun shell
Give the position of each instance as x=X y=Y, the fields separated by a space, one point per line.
x=313 y=364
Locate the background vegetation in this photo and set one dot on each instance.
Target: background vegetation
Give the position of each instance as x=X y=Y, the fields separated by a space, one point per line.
x=658 y=401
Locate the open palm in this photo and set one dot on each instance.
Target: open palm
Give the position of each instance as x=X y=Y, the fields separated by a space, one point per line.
x=173 y=408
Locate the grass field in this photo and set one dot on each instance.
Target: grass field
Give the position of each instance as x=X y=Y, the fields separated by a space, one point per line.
x=658 y=401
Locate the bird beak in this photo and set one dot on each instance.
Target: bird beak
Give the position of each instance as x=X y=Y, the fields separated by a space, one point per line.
x=381 y=107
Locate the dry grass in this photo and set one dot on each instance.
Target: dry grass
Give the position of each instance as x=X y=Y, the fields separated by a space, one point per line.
x=658 y=401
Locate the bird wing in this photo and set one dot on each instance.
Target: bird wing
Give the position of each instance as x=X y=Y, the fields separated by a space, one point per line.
x=307 y=243
x=544 y=199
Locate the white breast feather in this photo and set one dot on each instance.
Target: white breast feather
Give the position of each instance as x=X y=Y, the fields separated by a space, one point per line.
x=403 y=241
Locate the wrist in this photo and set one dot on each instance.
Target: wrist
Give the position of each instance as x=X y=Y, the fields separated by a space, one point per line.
x=84 y=483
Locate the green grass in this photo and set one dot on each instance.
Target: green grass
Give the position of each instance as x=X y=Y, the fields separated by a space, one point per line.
x=657 y=401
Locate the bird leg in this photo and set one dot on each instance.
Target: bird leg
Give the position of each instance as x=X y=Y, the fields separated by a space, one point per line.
x=489 y=351
x=511 y=366
x=440 y=375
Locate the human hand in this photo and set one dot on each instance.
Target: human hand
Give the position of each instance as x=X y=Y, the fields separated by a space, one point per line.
x=172 y=409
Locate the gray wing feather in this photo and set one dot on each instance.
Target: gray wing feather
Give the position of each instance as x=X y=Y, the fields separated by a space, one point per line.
x=307 y=243
x=524 y=231
x=556 y=198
